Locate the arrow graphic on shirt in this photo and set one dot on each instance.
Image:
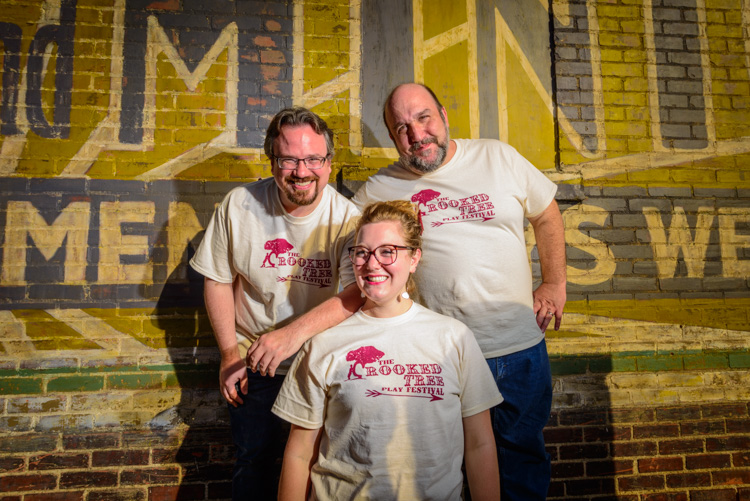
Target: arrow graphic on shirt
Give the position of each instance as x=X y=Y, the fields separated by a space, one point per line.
x=374 y=393
x=440 y=223
x=289 y=279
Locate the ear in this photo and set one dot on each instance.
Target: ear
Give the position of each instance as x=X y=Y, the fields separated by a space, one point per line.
x=415 y=257
x=445 y=116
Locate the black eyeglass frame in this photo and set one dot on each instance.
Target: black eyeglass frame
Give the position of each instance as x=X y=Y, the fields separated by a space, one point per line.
x=372 y=252
x=280 y=160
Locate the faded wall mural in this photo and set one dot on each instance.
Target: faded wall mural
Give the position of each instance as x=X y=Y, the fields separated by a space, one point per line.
x=123 y=123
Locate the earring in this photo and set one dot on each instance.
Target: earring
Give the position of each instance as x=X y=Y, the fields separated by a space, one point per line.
x=405 y=295
x=362 y=295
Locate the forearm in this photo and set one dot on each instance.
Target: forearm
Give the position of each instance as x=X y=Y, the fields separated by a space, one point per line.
x=326 y=315
x=549 y=234
x=219 y=298
x=299 y=457
x=480 y=456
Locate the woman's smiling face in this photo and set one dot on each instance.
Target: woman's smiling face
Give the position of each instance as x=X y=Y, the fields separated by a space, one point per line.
x=383 y=284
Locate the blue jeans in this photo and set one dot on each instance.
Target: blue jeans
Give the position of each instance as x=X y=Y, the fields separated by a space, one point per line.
x=525 y=380
x=259 y=437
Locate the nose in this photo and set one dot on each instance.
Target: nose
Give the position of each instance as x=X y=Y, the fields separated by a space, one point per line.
x=301 y=170
x=416 y=133
x=372 y=257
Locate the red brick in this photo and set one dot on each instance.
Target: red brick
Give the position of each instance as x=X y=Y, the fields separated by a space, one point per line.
x=741 y=458
x=666 y=496
x=738 y=425
x=728 y=444
x=119 y=457
x=724 y=410
x=92 y=441
x=626 y=449
x=675 y=481
x=706 y=461
x=147 y=476
x=583 y=418
x=742 y=495
x=176 y=493
x=33 y=442
x=653 y=465
x=656 y=430
x=631 y=415
x=588 y=486
x=10 y=498
x=72 y=480
x=702 y=428
x=11 y=463
x=562 y=435
x=556 y=489
x=731 y=477
x=222 y=453
x=55 y=496
x=608 y=468
x=589 y=451
x=606 y=433
x=641 y=482
x=58 y=461
x=572 y=469
x=680 y=413
x=220 y=490
x=680 y=446
x=713 y=495
x=206 y=473
x=20 y=483
x=121 y=495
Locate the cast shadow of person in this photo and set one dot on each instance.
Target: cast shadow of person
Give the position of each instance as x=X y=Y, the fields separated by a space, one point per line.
x=197 y=426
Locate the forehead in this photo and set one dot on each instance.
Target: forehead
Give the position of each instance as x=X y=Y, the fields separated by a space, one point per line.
x=408 y=101
x=383 y=232
x=299 y=139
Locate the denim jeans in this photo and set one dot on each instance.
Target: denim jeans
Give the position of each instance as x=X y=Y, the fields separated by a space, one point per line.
x=259 y=437
x=525 y=380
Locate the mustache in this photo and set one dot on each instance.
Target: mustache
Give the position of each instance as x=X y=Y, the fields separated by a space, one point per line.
x=295 y=179
x=427 y=140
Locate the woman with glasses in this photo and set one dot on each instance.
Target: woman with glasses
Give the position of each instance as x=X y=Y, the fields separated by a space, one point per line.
x=387 y=404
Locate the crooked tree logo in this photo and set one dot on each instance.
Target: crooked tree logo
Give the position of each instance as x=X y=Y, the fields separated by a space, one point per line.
x=419 y=380
x=304 y=270
x=453 y=210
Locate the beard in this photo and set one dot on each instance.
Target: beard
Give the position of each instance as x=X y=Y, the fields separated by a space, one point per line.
x=301 y=198
x=424 y=165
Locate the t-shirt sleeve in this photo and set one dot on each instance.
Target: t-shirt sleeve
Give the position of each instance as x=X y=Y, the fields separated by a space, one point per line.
x=301 y=400
x=540 y=191
x=213 y=258
x=346 y=240
x=361 y=198
x=478 y=388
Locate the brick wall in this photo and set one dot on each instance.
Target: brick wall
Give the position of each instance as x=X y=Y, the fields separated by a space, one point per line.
x=123 y=123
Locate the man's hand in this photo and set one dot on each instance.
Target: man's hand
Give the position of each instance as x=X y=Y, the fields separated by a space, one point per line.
x=549 y=301
x=232 y=371
x=270 y=349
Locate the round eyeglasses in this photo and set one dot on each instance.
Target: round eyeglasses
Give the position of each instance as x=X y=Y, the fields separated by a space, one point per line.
x=385 y=254
x=291 y=163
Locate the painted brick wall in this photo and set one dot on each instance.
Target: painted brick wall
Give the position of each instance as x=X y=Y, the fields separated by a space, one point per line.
x=123 y=123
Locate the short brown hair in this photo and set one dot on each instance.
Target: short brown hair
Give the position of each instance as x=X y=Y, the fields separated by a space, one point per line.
x=294 y=117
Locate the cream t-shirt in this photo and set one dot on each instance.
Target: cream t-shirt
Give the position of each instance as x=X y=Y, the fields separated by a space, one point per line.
x=390 y=394
x=282 y=266
x=474 y=264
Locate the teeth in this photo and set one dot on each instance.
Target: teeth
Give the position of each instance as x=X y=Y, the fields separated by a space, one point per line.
x=377 y=279
x=307 y=183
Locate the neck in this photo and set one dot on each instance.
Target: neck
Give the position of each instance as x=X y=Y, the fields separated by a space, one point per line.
x=391 y=309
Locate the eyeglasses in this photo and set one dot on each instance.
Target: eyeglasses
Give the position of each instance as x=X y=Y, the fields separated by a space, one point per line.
x=385 y=254
x=291 y=163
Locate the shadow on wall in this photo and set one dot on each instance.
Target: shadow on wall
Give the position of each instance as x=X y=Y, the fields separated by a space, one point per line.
x=198 y=424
